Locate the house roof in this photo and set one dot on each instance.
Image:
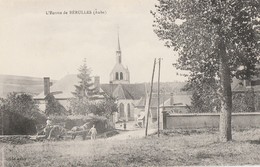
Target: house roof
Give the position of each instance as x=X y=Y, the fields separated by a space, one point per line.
x=165 y=100
x=63 y=88
x=169 y=87
x=179 y=100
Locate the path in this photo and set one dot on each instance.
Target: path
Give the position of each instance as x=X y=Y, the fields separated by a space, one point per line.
x=132 y=134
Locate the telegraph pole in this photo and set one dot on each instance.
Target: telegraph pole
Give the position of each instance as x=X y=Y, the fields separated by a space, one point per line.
x=158 y=107
x=150 y=98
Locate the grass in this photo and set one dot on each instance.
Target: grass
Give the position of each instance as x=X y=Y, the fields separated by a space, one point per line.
x=168 y=150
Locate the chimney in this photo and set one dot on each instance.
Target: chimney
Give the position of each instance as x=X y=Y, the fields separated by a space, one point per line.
x=46 y=82
x=97 y=82
x=171 y=99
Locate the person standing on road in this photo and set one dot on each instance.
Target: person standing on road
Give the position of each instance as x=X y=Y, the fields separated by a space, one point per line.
x=93 y=132
x=124 y=124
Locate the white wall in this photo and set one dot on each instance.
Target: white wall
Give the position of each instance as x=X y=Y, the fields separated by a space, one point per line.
x=211 y=120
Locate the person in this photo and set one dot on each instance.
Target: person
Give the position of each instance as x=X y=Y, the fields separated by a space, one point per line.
x=124 y=124
x=48 y=122
x=48 y=126
x=93 y=132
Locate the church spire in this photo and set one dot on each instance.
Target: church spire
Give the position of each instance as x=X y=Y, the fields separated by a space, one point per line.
x=119 y=49
x=118 y=52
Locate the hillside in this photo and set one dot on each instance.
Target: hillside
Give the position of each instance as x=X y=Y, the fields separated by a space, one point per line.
x=13 y=83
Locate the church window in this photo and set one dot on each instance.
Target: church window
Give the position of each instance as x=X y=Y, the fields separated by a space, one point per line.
x=121 y=111
x=121 y=76
x=117 y=77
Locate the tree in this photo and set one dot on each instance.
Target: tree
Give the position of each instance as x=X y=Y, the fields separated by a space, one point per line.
x=53 y=107
x=86 y=88
x=204 y=95
x=19 y=114
x=20 y=103
x=244 y=102
x=105 y=107
x=80 y=106
x=85 y=92
x=213 y=38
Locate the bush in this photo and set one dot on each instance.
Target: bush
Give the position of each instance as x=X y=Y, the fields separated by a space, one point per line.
x=20 y=114
x=16 y=124
x=102 y=124
x=53 y=106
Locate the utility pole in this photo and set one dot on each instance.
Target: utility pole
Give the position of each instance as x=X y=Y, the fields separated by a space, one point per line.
x=150 y=98
x=158 y=107
x=2 y=115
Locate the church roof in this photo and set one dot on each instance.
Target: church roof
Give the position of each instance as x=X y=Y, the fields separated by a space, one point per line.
x=124 y=91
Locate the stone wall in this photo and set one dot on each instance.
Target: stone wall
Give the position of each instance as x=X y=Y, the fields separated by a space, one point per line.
x=209 y=120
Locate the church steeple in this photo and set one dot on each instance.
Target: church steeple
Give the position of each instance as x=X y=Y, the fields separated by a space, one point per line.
x=118 y=52
x=118 y=42
x=119 y=74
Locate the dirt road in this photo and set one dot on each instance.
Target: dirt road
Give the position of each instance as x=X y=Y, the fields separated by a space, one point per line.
x=131 y=134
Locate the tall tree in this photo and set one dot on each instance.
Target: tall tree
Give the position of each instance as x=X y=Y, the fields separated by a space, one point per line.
x=85 y=89
x=84 y=92
x=213 y=38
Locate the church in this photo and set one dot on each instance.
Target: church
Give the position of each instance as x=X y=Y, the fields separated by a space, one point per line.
x=131 y=98
x=119 y=87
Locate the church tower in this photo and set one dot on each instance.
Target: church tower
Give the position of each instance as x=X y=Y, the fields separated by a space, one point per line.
x=119 y=74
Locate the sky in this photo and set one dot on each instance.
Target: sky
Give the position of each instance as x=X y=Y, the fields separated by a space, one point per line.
x=39 y=44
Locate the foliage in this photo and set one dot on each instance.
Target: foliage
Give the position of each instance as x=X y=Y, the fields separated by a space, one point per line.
x=19 y=114
x=53 y=107
x=85 y=92
x=216 y=39
x=204 y=96
x=85 y=88
x=204 y=24
x=23 y=104
x=102 y=123
x=16 y=124
x=80 y=106
x=244 y=102
x=104 y=107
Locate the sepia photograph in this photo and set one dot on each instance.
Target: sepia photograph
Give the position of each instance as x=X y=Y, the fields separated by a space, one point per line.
x=129 y=83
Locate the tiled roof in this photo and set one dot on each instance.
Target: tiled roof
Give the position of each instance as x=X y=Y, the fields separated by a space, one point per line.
x=165 y=100
x=136 y=90
x=179 y=100
x=169 y=87
x=124 y=91
x=108 y=88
